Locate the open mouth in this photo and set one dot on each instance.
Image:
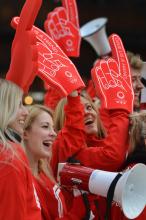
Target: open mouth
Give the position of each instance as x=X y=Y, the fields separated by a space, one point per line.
x=89 y=122
x=21 y=122
x=47 y=144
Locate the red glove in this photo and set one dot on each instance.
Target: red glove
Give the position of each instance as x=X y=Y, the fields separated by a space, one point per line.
x=62 y=25
x=112 y=78
x=54 y=67
x=24 y=55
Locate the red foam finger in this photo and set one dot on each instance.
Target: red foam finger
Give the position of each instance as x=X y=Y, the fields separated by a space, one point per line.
x=119 y=53
x=62 y=13
x=24 y=57
x=64 y=33
x=46 y=27
x=54 y=17
x=72 y=11
x=28 y=14
x=23 y=66
x=110 y=86
x=34 y=54
x=53 y=62
x=58 y=71
x=113 y=66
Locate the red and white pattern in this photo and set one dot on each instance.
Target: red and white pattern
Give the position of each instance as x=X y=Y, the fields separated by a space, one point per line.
x=112 y=78
x=62 y=25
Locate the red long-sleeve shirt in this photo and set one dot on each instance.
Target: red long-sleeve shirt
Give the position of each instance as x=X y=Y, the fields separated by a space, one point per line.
x=52 y=201
x=106 y=154
x=18 y=200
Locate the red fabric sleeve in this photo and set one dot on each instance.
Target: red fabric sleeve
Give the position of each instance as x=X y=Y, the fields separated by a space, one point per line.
x=71 y=138
x=16 y=191
x=53 y=203
x=108 y=154
x=77 y=211
x=52 y=97
x=90 y=89
x=12 y=194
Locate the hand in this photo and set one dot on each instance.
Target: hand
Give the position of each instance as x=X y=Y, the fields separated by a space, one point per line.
x=62 y=26
x=24 y=65
x=54 y=67
x=112 y=78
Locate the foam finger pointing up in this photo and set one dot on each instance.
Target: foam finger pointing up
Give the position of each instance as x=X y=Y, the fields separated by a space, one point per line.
x=72 y=11
x=28 y=14
x=119 y=54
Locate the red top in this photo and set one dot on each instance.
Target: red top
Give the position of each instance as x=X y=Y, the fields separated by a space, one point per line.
x=52 y=201
x=18 y=200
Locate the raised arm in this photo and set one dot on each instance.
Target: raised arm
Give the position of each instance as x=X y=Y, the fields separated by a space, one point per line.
x=109 y=153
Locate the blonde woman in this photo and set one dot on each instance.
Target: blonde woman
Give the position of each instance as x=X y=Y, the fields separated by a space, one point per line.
x=39 y=136
x=17 y=194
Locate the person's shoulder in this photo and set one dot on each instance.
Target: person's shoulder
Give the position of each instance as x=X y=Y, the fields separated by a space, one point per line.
x=13 y=160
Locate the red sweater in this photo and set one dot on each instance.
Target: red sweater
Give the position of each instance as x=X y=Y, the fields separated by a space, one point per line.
x=18 y=200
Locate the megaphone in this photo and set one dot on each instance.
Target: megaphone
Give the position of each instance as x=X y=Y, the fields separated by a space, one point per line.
x=129 y=193
x=94 y=33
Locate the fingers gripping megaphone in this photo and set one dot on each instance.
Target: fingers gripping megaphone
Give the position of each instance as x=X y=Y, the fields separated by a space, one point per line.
x=129 y=192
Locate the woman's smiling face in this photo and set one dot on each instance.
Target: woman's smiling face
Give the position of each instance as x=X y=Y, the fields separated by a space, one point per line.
x=40 y=136
x=90 y=117
x=18 y=123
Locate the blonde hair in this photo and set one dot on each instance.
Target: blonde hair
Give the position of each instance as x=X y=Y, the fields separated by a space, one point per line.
x=137 y=129
x=59 y=115
x=135 y=60
x=10 y=98
x=34 y=111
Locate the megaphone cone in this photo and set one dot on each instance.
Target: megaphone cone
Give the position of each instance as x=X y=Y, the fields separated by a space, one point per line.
x=94 y=33
x=130 y=190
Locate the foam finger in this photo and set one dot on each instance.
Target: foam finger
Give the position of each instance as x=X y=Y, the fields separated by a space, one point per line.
x=120 y=56
x=34 y=53
x=113 y=66
x=72 y=11
x=28 y=14
x=119 y=53
x=61 y=11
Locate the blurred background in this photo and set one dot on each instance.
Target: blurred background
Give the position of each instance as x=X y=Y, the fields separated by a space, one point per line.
x=127 y=18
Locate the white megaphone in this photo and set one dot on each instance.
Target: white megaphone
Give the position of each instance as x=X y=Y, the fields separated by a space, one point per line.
x=129 y=192
x=94 y=33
